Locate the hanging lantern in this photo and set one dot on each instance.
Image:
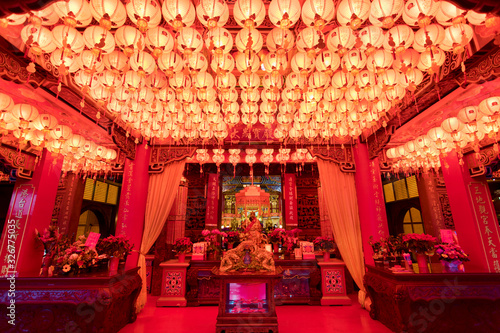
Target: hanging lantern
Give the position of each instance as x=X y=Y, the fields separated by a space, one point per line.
x=249 y=81
x=249 y=41
x=25 y=114
x=372 y=38
x=430 y=62
x=249 y=13
x=38 y=39
x=333 y=95
x=170 y=63
x=389 y=79
x=275 y=64
x=86 y=80
x=406 y=60
x=398 y=39
x=156 y=81
x=145 y=14
x=420 y=12
x=311 y=41
x=296 y=81
x=74 y=13
x=219 y=41
x=222 y=65
x=302 y=63
x=340 y=40
x=411 y=79
x=46 y=16
x=212 y=13
x=284 y=13
x=129 y=39
x=189 y=41
x=379 y=62
x=428 y=37
x=115 y=61
x=89 y=62
x=159 y=41
x=353 y=12
x=143 y=63
x=196 y=63
x=354 y=61
x=68 y=38
x=250 y=97
x=319 y=81
x=327 y=62
x=318 y=13
x=383 y=13
x=13 y=19
x=342 y=81
x=489 y=106
x=456 y=38
x=449 y=14
x=247 y=63
x=64 y=63
x=99 y=40
x=280 y=40
x=226 y=82
x=61 y=133
x=203 y=81
x=179 y=13
x=109 y=13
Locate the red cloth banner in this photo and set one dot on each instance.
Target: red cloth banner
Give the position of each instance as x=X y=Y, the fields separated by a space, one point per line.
x=15 y=227
x=212 y=213
x=487 y=223
x=290 y=195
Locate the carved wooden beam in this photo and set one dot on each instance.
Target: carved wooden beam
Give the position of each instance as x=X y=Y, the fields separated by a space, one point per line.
x=161 y=156
x=342 y=156
x=124 y=142
x=23 y=162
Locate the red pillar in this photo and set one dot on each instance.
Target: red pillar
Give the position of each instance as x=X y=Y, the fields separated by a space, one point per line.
x=133 y=197
x=474 y=215
x=30 y=208
x=371 y=204
x=432 y=216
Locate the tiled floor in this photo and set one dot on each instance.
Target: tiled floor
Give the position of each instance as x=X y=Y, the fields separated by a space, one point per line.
x=291 y=319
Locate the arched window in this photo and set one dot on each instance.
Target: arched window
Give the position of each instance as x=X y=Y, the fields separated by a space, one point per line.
x=412 y=222
x=88 y=222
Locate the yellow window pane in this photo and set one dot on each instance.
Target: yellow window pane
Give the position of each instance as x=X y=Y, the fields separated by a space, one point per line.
x=400 y=189
x=412 y=186
x=112 y=195
x=407 y=218
x=89 y=189
x=418 y=228
x=388 y=193
x=101 y=190
x=415 y=215
x=407 y=229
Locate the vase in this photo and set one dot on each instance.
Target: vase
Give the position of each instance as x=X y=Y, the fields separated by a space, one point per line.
x=182 y=257
x=326 y=256
x=422 y=263
x=452 y=266
x=276 y=248
x=113 y=265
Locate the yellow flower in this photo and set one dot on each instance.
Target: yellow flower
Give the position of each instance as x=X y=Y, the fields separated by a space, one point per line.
x=66 y=268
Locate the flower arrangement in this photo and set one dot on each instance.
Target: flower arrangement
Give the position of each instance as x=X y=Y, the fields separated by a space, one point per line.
x=324 y=244
x=75 y=258
x=211 y=237
x=183 y=245
x=291 y=239
x=451 y=252
x=116 y=246
x=277 y=235
x=420 y=243
x=233 y=236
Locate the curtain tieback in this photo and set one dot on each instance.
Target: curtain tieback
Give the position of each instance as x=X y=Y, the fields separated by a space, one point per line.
x=144 y=254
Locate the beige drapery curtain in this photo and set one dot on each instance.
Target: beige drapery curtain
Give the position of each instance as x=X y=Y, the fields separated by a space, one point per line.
x=342 y=205
x=162 y=191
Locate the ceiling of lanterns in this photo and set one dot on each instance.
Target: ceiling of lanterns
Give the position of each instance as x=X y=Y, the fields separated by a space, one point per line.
x=211 y=75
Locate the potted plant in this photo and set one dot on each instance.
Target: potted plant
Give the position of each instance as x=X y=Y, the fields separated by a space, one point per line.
x=182 y=246
x=276 y=236
x=213 y=245
x=452 y=256
x=290 y=241
x=422 y=245
x=116 y=248
x=325 y=245
x=232 y=237
x=75 y=259
x=395 y=249
x=379 y=251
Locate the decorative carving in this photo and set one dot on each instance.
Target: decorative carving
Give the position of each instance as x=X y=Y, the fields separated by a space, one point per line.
x=173 y=283
x=339 y=155
x=446 y=210
x=333 y=281
x=20 y=160
x=124 y=142
x=380 y=139
x=308 y=211
x=484 y=69
x=195 y=213
x=160 y=156
x=13 y=69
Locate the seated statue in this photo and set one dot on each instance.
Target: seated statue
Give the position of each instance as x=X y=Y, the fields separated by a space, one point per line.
x=250 y=254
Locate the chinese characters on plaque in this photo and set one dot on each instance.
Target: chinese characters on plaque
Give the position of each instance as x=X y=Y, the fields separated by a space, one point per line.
x=290 y=194
x=212 y=211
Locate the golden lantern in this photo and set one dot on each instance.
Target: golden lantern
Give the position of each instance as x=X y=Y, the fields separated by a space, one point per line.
x=372 y=38
x=247 y=63
x=170 y=63
x=208 y=96
x=39 y=39
x=86 y=80
x=449 y=14
x=318 y=13
x=327 y=62
x=398 y=39
x=109 y=13
x=143 y=96
x=431 y=61
x=222 y=65
x=302 y=63
x=296 y=81
x=219 y=41
x=61 y=133
x=89 y=62
x=189 y=41
x=133 y=81
x=226 y=82
x=275 y=64
x=68 y=38
x=64 y=63
x=45 y=123
x=250 y=96
x=46 y=16
x=231 y=107
x=333 y=95
x=319 y=81
x=13 y=19
x=420 y=12
x=406 y=60
x=284 y=13
x=249 y=41
x=383 y=13
x=179 y=81
x=280 y=40
x=354 y=94
x=354 y=61
x=411 y=79
x=249 y=13
x=159 y=41
x=250 y=118
x=353 y=12
x=129 y=40
x=428 y=37
x=143 y=63
x=156 y=81
x=365 y=79
x=340 y=40
x=489 y=106
x=203 y=81
x=74 y=13
x=249 y=81
x=311 y=41
x=212 y=13
x=179 y=13
x=456 y=38
x=342 y=80
x=196 y=63
x=122 y=95
x=145 y=14
x=99 y=40
x=115 y=61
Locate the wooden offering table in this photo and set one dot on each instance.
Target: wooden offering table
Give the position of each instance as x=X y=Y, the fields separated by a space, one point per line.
x=85 y=303
x=450 y=302
x=333 y=282
x=246 y=302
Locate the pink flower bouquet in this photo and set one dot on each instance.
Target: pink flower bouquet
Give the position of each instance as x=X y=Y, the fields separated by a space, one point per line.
x=420 y=243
